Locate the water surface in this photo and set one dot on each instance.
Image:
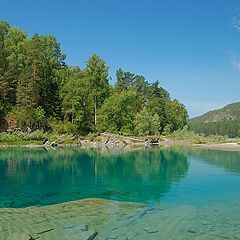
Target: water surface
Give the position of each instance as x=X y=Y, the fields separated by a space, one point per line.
x=37 y=177
x=177 y=193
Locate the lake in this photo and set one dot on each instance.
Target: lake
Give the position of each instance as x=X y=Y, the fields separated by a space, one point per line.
x=194 y=192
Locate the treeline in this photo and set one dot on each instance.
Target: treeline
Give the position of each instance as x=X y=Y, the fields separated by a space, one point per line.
x=38 y=90
x=230 y=128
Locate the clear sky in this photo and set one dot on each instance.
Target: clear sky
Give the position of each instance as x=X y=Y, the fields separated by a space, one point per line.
x=192 y=47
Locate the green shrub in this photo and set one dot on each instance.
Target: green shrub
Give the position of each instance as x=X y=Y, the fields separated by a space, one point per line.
x=61 y=127
x=22 y=137
x=63 y=139
x=146 y=123
x=92 y=137
x=195 y=138
x=217 y=138
x=38 y=135
x=126 y=132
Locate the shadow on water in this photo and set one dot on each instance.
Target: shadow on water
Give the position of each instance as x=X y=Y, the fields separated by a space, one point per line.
x=38 y=177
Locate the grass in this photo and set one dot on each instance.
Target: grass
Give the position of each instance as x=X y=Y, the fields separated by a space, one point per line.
x=37 y=137
x=194 y=138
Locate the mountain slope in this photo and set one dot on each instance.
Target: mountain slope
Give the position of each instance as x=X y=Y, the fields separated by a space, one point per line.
x=224 y=121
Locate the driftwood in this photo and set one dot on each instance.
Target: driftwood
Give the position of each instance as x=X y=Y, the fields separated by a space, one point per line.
x=48 y=144
x=152 y=141
x=45 y=231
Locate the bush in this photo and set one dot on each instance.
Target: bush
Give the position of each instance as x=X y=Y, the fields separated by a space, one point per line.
x=39 y=117
x=92 y=137
x=195 y=138
x=217 y=138
x=186 y=135
x=61 y=127
x=63 y=139
x=22 y=136
x=38 y=135
x=146 y=123
x=126 y=132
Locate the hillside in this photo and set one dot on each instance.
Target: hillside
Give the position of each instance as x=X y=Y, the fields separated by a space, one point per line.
x=224 y=121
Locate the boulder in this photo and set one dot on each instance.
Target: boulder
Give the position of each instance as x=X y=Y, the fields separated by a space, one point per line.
x=152 y=141
x=49 y=144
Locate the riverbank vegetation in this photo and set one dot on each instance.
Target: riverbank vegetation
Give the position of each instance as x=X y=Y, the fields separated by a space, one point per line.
x=195 y=138
x=39 y=91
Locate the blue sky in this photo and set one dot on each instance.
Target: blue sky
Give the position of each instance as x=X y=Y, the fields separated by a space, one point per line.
x=191 y=47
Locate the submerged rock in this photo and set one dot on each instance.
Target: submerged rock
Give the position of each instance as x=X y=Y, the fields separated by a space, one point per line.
x=19 y=236
x=84 y=228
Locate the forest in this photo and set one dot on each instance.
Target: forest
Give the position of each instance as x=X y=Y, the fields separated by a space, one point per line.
x=229 y=128
x=40 y=91
x=224 y=121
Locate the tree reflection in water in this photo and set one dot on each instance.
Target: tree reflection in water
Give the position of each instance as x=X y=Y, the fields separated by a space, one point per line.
x=40 y=177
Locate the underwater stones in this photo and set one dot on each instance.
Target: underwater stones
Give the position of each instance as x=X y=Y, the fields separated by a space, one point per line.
x=150 y=231
x=84 y=228
x=19 y=236
x=91 y=237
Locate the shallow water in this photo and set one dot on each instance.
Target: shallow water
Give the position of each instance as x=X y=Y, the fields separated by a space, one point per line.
x=173 y=193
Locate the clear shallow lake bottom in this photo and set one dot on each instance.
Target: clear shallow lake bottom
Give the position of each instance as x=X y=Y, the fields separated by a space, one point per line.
x=173 y=193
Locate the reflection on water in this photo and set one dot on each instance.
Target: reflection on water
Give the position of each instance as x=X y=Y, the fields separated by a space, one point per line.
x=228 y=160
x=39 y=177
x=36 y=177
x=181 y=193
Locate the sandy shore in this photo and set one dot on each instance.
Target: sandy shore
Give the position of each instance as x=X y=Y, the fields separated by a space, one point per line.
x=219 y=146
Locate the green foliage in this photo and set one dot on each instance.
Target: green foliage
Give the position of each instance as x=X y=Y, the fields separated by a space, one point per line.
x=85 y=92
x=61 y=127
x=92 y=137
x=192 y=137
x=167 y=129
x=96 y=73
x=39 y=117
x=157 y=102
x=77 y=101
x=186 y=135
x=176 y=114
x=117 y=112
x=229 y=128
x=38 y=89
x=21 y=136
x=146 y=124
x=36 y=137
x=224 y=121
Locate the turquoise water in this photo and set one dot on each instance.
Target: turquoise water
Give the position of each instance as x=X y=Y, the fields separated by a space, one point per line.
x=173 y=176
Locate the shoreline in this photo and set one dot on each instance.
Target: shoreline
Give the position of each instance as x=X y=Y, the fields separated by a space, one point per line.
x=169 y=143
x=219 y=146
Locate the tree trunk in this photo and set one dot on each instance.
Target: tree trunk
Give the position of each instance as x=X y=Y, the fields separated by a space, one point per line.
x=95 y=111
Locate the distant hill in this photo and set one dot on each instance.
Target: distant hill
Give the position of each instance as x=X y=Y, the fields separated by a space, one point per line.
x=224 y=121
